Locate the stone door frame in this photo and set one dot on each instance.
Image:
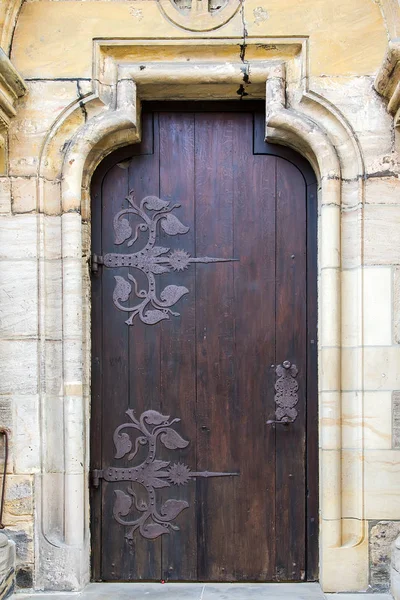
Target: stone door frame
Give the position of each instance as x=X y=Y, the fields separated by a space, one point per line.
x=108 y=117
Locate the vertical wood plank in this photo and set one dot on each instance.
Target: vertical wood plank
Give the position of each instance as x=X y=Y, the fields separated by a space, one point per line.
x=178 y=358
x=115 y=373
x=97 y=381
x=215 y=330
x=143 y=562
x=254 y=235
x=291 y=335
x=312 y=387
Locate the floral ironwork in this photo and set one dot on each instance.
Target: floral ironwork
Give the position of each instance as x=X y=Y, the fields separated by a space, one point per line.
x=286 y=388
x=151 y=260
x=151 y=474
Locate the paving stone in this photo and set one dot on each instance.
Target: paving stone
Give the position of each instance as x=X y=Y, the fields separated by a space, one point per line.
x=199 y=591
x=195 y=591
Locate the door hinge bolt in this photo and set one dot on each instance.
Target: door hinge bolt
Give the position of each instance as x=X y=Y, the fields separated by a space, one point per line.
x=95 y=261
x=97 y=474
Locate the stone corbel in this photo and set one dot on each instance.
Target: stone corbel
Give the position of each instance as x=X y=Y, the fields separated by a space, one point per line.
x=12 y=87
x=387 y=81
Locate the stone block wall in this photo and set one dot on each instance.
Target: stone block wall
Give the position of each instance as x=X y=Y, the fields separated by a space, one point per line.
x=69 y=54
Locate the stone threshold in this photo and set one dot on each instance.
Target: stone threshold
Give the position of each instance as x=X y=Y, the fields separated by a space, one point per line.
x=200 y=591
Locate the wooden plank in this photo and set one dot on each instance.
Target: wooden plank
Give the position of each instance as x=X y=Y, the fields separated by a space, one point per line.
x=291 y=335
x=312 y=387
x=143 y=561
x=215 y=330
x=97 y=431
x=97 y=382
x=115 y=370
x=254 y=244
x=178 y=357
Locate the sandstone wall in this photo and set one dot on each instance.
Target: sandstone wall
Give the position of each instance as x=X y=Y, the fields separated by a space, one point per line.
x=50 y=43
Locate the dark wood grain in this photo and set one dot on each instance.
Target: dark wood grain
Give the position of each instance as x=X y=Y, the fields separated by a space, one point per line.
x=144 y=363
x=115 y=374
x=254 y=233
x=215 y=339
x=291 y=287
x=312 y=524
x=178 y=357
x=97 y=383
x=214 y=365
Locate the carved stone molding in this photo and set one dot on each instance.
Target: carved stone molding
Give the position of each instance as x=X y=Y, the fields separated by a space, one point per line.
x=387 y=81
x=12 y=87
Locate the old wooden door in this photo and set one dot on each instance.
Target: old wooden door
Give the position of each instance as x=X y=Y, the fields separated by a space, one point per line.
x=204 y=310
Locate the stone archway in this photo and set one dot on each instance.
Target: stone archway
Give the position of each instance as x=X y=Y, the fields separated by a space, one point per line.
x=306 y=123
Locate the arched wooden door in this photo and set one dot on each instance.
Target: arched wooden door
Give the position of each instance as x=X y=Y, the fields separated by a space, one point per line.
x=204 y=334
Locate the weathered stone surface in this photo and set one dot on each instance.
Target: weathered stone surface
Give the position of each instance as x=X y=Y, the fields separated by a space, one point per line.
x=6 y=415
x=36 y=113
x=7 y=421
x=23 y=194
x=396 y=305
x=382 y=235
x=18 y=299
x=5 y=195
x=24 y=577
x=383 y=190
x=19 y=498
x=26 y=443
x=382 y=536
x=19 y=363
x=7 y=566
x=396 y=419
x=22 y=535
x=18 y=237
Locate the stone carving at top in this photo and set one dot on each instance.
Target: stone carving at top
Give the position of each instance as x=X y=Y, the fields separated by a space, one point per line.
x=199 y=15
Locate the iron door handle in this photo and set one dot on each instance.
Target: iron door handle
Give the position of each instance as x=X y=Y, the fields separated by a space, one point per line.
x=286 y=398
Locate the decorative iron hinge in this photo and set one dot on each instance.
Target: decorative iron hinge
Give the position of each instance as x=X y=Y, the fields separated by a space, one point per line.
x=150 y=304
x=143 y=512
x=95 y=261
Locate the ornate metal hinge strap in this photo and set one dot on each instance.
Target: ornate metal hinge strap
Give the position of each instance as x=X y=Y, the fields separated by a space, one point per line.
x=152 y=260
x=152 y=474
x=286 y=398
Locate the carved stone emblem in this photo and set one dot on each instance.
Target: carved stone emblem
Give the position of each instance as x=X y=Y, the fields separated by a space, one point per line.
x=199 y=15
x=152 y=430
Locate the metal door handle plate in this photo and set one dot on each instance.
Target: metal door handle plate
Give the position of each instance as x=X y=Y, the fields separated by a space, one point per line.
x=286 y=398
